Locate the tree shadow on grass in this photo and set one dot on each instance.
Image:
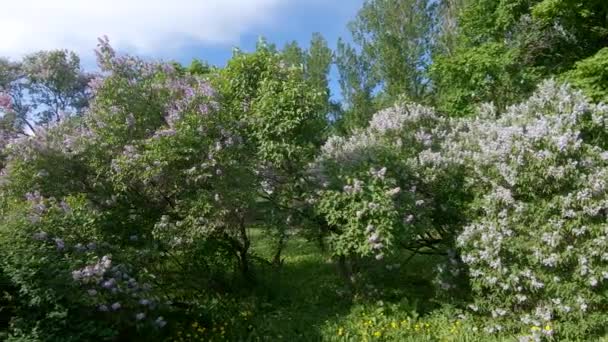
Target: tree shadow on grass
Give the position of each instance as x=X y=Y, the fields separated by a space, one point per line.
x=295 y=302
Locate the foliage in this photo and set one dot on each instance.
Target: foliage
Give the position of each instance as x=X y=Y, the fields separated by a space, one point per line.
x=499 y=50
x=488 y=73
x=535 y=251
x=522 y=191
x=164 y=202
x=590 y=75
x=393 y=46
x=382 y=193
x=170 y=166
x=44 y=86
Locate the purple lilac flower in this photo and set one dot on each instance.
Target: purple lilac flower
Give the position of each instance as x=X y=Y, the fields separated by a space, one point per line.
x=6 y=101
x=65 y=207
x=60 y=244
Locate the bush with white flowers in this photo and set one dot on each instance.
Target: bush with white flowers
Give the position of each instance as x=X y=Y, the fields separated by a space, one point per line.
x=537 y=244
x=520 y=196
x=384 y=189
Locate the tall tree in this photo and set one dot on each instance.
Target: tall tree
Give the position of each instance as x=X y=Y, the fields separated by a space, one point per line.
x=357 y=82
x=446 y=25
x=293 y=54
x=316 y=62
x=503 y=48
x=42 y=88
x=393 y=40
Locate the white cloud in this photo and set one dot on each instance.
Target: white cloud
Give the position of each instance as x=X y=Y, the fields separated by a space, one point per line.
x=142 y=25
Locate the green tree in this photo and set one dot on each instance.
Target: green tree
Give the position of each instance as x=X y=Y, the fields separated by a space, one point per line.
x=357 y=83
x=502 y=49
x=591 y=76
x=393 y=40
x=43 y=87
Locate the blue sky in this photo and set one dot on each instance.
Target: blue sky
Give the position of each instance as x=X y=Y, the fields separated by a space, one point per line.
x=171 y=30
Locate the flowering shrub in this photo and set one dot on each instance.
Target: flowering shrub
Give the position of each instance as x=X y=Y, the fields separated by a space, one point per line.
x=382 y=191
x=140 y=208
x=521 y=196
x=102 y=211
x=536 y=247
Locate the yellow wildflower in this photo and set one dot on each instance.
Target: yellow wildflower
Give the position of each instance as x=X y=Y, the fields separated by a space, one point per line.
x=340 y=331
x=377 y=334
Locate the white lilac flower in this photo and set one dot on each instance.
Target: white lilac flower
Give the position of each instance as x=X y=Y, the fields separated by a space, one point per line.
x=393 y=192
x=41 y=236
x=109 y=284
x=378 y=173
x=373 y=206
x=593 y=281
x=160 y=322
x=373 y=238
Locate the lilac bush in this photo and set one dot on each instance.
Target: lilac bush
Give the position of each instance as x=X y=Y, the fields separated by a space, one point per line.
x=517 y=200
x=102 y=212
x=381 y=190
x=139 y=210
x=536 y=248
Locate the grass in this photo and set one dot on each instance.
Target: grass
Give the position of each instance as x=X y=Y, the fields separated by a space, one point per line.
x=306 y=300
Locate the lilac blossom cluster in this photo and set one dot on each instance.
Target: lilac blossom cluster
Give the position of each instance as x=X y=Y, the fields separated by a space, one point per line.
x=541 y=182
x=113 y=289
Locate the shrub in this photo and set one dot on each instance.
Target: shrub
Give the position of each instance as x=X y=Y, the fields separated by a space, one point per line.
x=536 y=245
x=384 y=189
